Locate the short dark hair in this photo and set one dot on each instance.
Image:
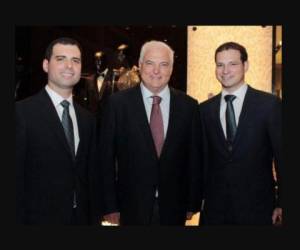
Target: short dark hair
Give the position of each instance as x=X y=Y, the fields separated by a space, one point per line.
x=235 y=46
x=61 y=40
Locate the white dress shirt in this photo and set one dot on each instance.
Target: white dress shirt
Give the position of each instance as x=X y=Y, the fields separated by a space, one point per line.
x=164 y=104
x=237 y=105
x=56 y=100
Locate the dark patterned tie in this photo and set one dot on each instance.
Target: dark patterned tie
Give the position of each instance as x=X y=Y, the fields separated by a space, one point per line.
x=68 y=128
x=68 y=125
x=230 y=118
x=156 y=125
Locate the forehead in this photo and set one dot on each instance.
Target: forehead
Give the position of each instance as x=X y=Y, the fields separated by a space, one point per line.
x=230 y=54
x=157 y=52
x=66 y=49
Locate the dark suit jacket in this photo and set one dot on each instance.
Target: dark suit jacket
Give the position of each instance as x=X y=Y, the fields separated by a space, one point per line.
x=126 y=143
x=46 y=172
x=239 y=185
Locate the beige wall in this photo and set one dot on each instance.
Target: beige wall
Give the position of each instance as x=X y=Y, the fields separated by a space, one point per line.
x=278 y=58
x=202 y=44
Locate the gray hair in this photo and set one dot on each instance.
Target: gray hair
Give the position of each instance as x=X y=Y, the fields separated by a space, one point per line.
x=146 y=45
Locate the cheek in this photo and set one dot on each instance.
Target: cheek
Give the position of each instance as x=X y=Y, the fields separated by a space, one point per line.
x=167 y=73
x=147 y=70
x=146 y=73
x=78 y=68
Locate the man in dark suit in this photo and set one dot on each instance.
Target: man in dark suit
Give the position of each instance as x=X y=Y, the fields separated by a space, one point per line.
x=148 y=150
x=242 y=138
x=55 y=146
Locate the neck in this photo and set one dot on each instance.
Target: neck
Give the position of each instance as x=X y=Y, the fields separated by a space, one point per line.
x=65 y=93
x=155 y=91
x=233 y=88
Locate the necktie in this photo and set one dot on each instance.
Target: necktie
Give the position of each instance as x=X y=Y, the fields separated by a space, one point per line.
x=230 y=118
x=68 y=128
x=156 y=124
x=68 y=125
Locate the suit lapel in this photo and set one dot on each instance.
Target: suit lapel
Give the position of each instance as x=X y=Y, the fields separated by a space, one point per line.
x=80 y=129
x=141 y=116
x=49 y=113
x=174 y=117
x=215 y=113
x=247 y=109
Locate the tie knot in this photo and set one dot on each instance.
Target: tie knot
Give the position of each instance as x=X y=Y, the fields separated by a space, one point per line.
x=229 y=98
x=65 y=104
x=156 y=99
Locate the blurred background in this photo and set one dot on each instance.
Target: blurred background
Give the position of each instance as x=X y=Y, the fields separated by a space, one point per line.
x=115 y=49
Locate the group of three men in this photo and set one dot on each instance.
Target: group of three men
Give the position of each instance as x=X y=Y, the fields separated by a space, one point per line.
x=159 y=156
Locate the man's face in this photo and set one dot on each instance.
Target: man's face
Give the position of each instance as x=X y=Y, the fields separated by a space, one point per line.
x=230 y=71
x=156 y=68
x=64 y=66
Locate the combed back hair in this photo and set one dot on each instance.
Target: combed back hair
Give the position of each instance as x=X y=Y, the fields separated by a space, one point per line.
x=61 y=40
x=146 y=45
x=235 y=46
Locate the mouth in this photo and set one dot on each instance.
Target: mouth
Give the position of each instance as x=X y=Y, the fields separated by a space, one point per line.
x=67 y=74
x=226 y=78
x=155 y=77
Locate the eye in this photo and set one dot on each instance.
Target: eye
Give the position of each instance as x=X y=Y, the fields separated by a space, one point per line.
x=234 y=63
x=77 y=60
x=165 y=64
x=148 y=62
x=59 y=58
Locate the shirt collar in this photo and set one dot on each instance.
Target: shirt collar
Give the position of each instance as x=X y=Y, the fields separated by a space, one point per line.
x=147 y=94
x=239 y=93
x=56 y=98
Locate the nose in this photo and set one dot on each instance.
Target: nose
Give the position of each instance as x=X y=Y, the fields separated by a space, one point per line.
x=69 y=63
x=156 y=69
x=225 y=69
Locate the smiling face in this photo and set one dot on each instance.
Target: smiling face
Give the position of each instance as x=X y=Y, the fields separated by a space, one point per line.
x=63 y=67
x=230 y=70
x=156 y=67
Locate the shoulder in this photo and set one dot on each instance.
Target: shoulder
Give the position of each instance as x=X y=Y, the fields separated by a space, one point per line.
x=125 y=93
x=215 y=100
x=31 y=101
x=83 y=112
x=183 y=97
x=264 y=98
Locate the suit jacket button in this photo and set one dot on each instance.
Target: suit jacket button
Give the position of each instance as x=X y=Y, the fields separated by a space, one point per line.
x=229 y=148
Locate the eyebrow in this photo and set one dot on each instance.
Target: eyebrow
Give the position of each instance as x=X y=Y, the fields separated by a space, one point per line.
x=74 y=57
x=220 y=62
x=149 y=60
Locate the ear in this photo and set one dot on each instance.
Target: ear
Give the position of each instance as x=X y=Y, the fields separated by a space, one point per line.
x=246 y=66
x=45 y=65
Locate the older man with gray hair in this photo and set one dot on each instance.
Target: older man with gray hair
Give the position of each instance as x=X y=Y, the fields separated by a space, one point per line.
x=148 y=146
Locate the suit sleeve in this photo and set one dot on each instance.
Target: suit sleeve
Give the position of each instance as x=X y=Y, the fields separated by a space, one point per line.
x=194 y=176
x=203 y=154
x=20 y=163
x=275 y=135
x=107 y=159
x=94 y=165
